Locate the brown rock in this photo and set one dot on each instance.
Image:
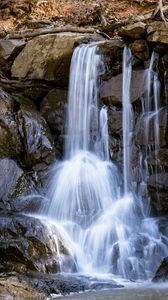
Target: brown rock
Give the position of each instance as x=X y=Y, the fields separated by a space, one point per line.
x=133 y=31
x=111 y=90
x=157 y=32
x=47 y=57
x=140 y=49
x=115 y=123
x=12 y=287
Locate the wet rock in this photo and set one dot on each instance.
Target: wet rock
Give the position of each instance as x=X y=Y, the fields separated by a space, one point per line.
x=162 y=272
x=159 y=157
x=133 y=31
x=13 y=183
x=47 y=57
x=28 y=245
x=28 y=203
x=143 y=136
x=112 y=52
x=10 y=140
x=53 y=109
x=157 y=32
x=111 y=90
x=36 y=137
x=140 y=49
x=158 y=190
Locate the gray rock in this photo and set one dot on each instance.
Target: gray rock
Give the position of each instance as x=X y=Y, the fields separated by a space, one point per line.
x=10 y=140
x=159 y=157
x=13 y=183
x=162 y=272
x=158 y=190
x=53 y=109
x=36 y=138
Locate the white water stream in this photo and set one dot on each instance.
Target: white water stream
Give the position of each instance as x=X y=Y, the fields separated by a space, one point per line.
x=103 y=225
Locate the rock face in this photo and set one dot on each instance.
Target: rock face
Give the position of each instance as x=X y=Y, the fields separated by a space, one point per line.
x=111 y=90
x=36 y=137
x=53 y=109
x=51 y=59
x=162 y=272
x=10 y=141
x=27 y=245
x=157 y=32
x=13 y=183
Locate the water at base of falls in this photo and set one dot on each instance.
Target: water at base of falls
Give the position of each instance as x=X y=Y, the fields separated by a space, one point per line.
x=104 y=229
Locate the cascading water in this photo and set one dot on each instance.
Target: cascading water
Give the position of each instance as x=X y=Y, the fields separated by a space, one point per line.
x=103 y=228
x=127 y=117
x=151 y=123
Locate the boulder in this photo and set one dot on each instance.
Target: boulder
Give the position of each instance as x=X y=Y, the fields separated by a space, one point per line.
x=133 y=31
x=157 y=32
x=10 y=139
x=111 y=90
x=36 y=136
x=47 y=57
x=13 y=183
x=27 y=244
x=140 y=49
x=162 y=272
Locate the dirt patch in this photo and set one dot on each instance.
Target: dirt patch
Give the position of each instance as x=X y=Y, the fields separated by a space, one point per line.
x=16 y=14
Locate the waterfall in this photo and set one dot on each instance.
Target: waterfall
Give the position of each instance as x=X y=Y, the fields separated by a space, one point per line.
x=103 y=228
x=151 y=123
x=127 y=117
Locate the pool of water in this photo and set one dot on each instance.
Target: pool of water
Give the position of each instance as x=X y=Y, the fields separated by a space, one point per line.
x=145 y=292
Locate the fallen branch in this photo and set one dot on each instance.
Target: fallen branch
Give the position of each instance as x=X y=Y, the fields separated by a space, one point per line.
x=36 y=32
